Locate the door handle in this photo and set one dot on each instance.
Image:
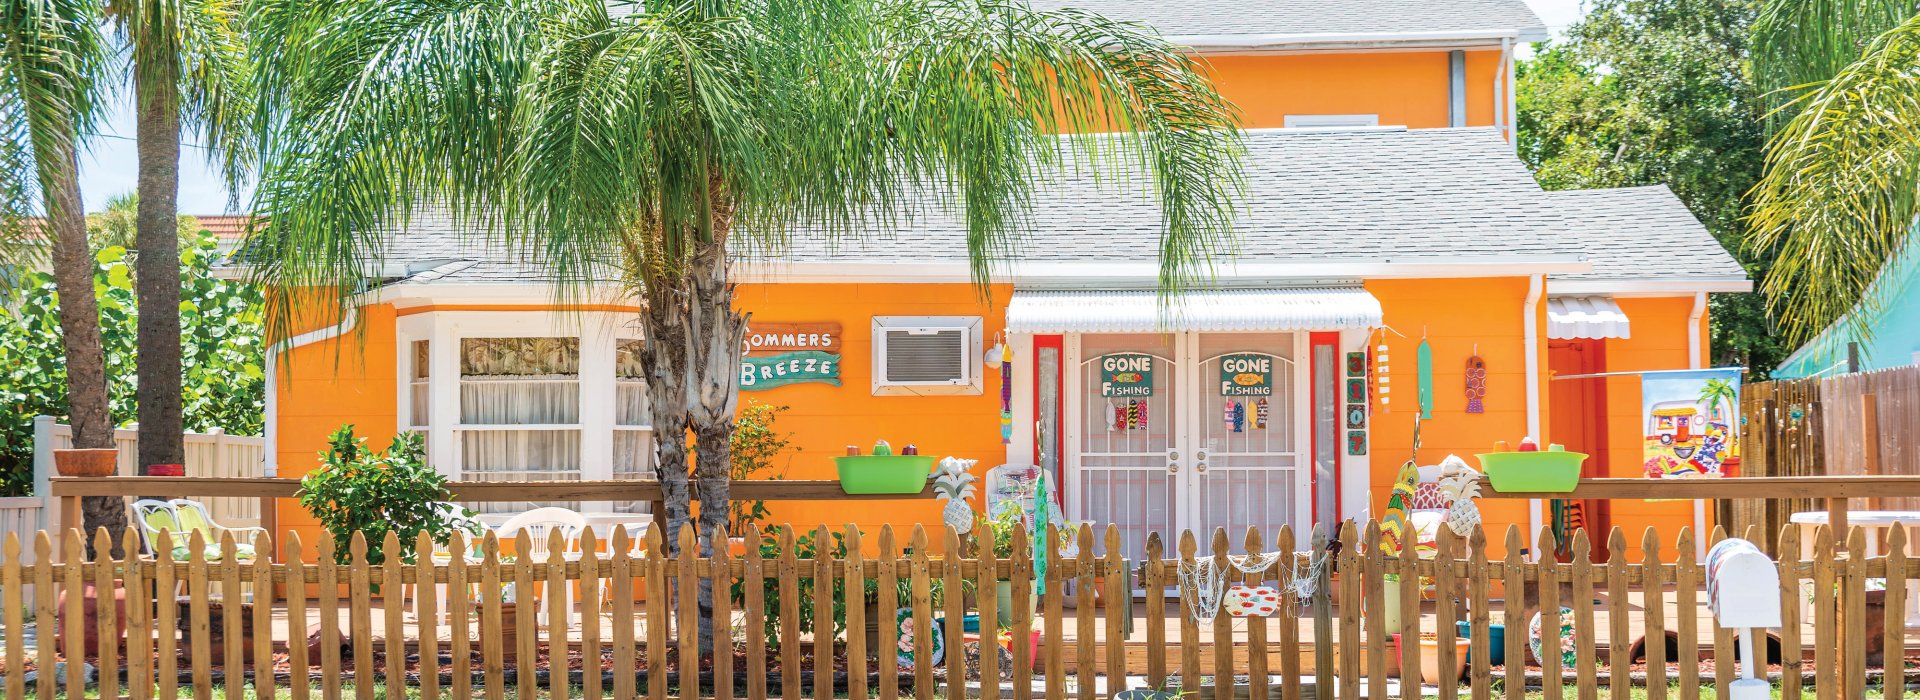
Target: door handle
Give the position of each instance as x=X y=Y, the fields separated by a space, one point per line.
x=1173 y=461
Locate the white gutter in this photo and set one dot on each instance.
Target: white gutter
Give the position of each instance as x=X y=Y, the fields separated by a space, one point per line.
x=1530 y=323
x=1694 y=362
x=1687 y=286
x=1256 y=42
x=1503 y=95
x=271 y=468
x=1147 y=273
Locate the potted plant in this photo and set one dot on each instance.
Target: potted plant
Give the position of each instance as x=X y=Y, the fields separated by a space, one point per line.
x=1002 y=527
x=755 y=447
x=1430 y=670
x=359 y=490
x=883 y=472
x=99 y=462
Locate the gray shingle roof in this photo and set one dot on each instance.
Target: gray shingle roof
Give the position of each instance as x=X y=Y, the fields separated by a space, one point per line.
x=1187 y=18
x=1371 y=195
x=1641 y=233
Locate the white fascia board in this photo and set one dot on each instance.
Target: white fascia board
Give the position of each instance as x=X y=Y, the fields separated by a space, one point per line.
x=1213 y=43
x=1147 y=274
x=1652 y=287
x=531 y=293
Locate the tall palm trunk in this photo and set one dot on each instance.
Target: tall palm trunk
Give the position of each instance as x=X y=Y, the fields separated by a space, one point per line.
x=73 y=266
x=664 y=352
x=715 y=368
x=157 y=238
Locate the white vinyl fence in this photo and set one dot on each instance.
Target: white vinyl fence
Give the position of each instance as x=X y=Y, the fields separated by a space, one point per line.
x=213 y=454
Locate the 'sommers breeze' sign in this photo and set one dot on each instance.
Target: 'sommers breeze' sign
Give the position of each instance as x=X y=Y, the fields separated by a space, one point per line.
x=778 y=354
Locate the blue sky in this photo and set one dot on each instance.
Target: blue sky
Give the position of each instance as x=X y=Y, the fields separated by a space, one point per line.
x=110 y=167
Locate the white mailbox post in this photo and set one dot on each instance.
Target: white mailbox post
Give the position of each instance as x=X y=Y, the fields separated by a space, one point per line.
x=1743 y=589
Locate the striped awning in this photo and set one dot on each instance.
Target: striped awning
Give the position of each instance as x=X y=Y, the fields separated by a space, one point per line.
x=1585 y=317
x=1145 y=311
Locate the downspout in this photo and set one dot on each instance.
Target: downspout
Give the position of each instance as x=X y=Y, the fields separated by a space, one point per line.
x=1530 y=323
x=1694 y=348
x=1504 y=79
x=1456 y=88
x=271 y=467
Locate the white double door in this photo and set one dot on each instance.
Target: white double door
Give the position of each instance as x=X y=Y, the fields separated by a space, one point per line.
x=1195 y=450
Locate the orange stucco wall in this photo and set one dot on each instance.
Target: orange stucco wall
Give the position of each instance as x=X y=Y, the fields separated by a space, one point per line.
x=327 y=385
x=1458 y=317
x=825 y=419
x=1404 y=88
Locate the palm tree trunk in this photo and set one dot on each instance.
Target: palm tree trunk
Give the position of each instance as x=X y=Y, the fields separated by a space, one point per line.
x=73 y=266
x=718 y=330
x=157 y=267
x=664 y=352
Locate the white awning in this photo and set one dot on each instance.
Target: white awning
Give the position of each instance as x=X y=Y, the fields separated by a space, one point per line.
x=1591 y=317
x=1142 y=311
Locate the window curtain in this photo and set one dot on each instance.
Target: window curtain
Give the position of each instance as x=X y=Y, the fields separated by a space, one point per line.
x=520 y=381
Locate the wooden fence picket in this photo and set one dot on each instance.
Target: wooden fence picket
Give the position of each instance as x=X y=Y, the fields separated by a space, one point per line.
x=360 y=617
x=654 y=569
x=559 y=611
x=1290 y=608
x=753 y=586
x=921 y=601
x=263 y=597
x=1189 y=620
x=1552 y=673
x=1723 y=646
x=526 y=609
x=298 y=686
x=459 y=617
x=493 y=649
x=1257 y=684
x=887 y=579
x=1022 y=614
x=1823 y=615
x=166 y=623
x=1513 y=608
x=106 y=626
x=1894 y=641
x=856 y=593
x=1053 y=598
x=1619 y=617
x=587 y=587
x=1374 y=607
x=1793 y=661
x=393 y=612
x=70 y=622
x=1351 y=577
x=1085 y=624
x=199 y=631
x=327 y=562
x=1585 y=658
x=620 y=575
x=1409 y=630
x=823 y=575
x=720 y=575
x=1853 y=671
x=986 y=589
x=1480 y=651
x=955 y=614
x=1653 y=614
x=232 y=622
x=1686 y=600
x=789 y=569
x=139 y=620
x=15 y=607
x=1445 y=609
x=43 y=610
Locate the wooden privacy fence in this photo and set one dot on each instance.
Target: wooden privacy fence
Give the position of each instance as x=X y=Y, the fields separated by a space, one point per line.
x=633 y=635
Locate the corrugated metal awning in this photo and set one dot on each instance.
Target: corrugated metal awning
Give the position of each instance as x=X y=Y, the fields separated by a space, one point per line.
x=1141 y=311
x=1594 y=317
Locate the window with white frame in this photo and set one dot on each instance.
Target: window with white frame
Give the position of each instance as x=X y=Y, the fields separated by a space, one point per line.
x=527 y=396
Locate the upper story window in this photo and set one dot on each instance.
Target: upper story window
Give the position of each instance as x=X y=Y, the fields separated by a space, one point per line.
x=1328 y=121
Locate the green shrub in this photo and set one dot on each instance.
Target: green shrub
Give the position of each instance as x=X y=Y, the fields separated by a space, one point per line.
x=359 y=490
x=220 y=329
x=756 y=445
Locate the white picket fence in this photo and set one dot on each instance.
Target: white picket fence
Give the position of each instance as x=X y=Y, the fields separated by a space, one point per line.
x=214 y=454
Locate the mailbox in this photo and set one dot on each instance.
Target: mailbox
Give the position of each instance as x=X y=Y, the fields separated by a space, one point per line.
x=1743 y=588
x=1743 y=585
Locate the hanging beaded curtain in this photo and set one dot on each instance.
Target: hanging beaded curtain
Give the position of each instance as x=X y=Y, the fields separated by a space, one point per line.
x=531 y=382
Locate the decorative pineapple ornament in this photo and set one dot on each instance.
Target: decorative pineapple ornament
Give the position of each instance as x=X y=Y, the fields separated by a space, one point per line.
x=1461 y=483
x=953 y=483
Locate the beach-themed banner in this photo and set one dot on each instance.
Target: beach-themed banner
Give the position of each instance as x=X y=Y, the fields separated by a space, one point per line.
x=1692 y=420
x=1126 y=374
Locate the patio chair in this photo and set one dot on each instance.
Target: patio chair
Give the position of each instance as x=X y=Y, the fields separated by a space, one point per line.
x=156 y=520
x=539 y=524
x=194 y=517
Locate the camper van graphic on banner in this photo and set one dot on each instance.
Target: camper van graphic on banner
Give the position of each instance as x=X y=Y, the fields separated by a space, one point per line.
x=1692 y=422
x=1126 y=374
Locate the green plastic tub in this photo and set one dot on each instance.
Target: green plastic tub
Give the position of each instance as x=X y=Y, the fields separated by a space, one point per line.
x=872 y=474
x=1532 y=472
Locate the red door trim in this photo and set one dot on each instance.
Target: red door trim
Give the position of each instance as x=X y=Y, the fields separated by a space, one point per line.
x=1314 y=341
x=1058 y=343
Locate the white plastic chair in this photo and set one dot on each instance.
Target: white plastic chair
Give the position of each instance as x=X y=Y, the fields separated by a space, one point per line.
x=539 y=524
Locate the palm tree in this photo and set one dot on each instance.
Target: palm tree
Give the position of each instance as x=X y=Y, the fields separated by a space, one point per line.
x=189 y=71
x=643 y=146
x=50 y=56
x=117 y=224
x=1837 y=198
x=1718 y=395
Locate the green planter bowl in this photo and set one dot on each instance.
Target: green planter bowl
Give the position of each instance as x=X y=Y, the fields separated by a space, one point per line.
x=876 y=474
x=1532 y=472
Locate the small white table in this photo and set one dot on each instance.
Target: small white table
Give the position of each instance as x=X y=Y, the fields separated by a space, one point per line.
x=1875 y=521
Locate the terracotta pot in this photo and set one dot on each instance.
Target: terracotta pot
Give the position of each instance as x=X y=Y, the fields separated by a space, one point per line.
x=90 y=620
x=1430 y=670
x=86 y=462
x=166 y=470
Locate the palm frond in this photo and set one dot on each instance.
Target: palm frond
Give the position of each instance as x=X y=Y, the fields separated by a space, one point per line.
x=1798 y=44
x=1837 y=197
x=51 y=58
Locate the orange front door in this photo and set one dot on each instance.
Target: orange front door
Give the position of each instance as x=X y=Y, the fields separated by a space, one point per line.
x=1579 y=421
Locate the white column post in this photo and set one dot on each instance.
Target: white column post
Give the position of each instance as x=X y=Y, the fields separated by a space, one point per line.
x=43 y=468
x=597 y=397
x=443 y=393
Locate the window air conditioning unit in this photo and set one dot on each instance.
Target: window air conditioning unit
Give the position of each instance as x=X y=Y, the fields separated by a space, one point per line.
x=926 y=355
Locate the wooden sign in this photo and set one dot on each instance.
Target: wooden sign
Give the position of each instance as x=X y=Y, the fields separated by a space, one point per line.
x=1126 y=374
x=1246 y=374
x=772 y=338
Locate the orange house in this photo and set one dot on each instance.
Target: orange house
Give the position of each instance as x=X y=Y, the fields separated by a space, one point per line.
x=1385 y=208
